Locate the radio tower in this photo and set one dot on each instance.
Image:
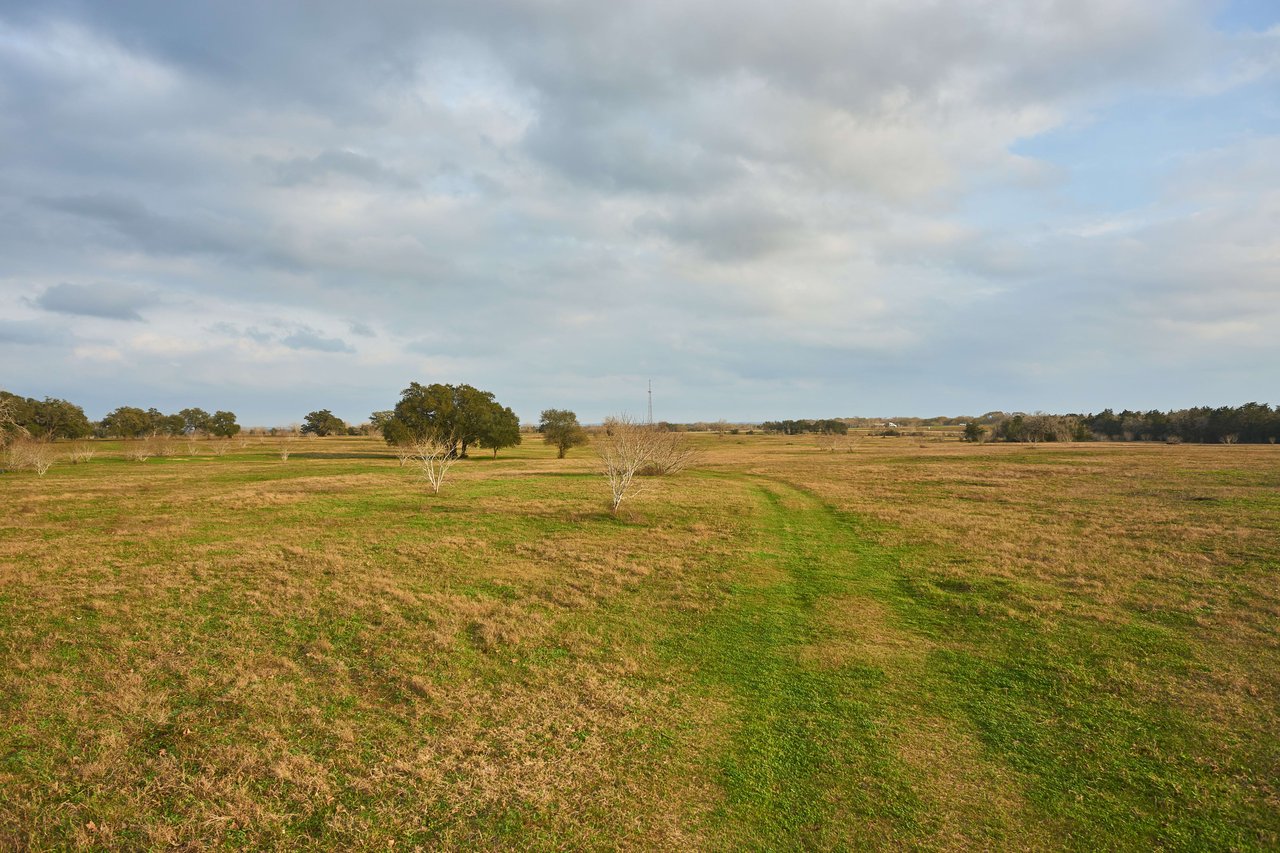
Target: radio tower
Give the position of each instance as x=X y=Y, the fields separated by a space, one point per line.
x=650 y=402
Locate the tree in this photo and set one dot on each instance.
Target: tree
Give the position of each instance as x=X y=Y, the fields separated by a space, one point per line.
x=10 y=428
x=625 y=449
x=54 y=418
x=428 y=413
x=380 y=421
x=322 y=423
x=502 y=430
x=435 y=457
x=195 y=421
x=127 y=422
x=171 y=425
x=395 y=433
x=629 y=449
x=454 y=415
x=223 y=424
x=669 y=453
x=973 y=431
x=560 y=428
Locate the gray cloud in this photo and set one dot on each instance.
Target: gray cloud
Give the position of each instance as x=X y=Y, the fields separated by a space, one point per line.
x=326 y=164
x=107 y=300
x=32 y=333
x=310 y=339
x=131 y=219
x=740 y=230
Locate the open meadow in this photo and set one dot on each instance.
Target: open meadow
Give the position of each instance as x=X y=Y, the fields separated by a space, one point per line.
x=872 y=643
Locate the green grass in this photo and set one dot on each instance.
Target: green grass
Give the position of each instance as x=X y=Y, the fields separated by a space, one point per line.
x=805 y=768
x=956 y=648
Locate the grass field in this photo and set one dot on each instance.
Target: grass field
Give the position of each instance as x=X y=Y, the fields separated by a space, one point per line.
x=902 y=644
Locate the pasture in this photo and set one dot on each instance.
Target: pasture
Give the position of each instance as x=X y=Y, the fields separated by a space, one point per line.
x=888 y=643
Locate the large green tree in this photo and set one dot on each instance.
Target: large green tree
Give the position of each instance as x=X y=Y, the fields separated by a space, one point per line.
x=195 y=420
x=223 y=424
x=323 y=422
x=128 y=422
x=455 y=415
x=560 y=428
x=502 y=430
x=47 y=418
x=54 y=418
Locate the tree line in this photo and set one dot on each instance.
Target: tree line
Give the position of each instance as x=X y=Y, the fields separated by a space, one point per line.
x=827 y=426
x=1251 y=423
x=52 y=418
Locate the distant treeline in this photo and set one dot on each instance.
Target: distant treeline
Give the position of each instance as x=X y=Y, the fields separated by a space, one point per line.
x=1252 y=423
x=826 y=426
x=52 y=418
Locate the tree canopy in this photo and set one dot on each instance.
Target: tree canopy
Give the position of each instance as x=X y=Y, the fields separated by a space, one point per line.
x=322 y=423
x=456 y=415
x=560 y=428
x=47 y=418
x=503 y=429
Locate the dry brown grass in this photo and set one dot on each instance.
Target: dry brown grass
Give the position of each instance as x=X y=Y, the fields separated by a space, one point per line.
x=345 y=660
x=227 y=652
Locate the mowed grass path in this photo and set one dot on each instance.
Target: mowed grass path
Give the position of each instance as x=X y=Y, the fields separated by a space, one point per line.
x=243 y=653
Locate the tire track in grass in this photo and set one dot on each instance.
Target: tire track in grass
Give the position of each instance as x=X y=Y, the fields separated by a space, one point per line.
x=807 y=764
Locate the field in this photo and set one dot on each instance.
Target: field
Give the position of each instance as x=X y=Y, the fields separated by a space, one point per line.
x=895 y=643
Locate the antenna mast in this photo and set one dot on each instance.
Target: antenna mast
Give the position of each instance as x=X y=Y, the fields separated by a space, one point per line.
x=650 y=402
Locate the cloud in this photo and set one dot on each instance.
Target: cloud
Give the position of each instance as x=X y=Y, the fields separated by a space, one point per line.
x=107 y=300
x=310 y=339
x=734 y=230
x=560 y=198
x=341 y=163
x=32 y=333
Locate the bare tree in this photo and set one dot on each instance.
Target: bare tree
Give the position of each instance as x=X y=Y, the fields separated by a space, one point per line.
x=435 y=457
x=220 y=446
x=624 y=449
x=10 y=429
x=286 y=447
x=81 y=451
x=669 y=452
x=405 y=453
x=31 y=453
x=628 y=449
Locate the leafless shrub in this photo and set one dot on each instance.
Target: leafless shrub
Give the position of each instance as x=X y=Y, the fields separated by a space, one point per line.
x=286 y=447
x=627 y=448
x=138 y=450
x=669 y=453
x=27 y=453
x=435 y=457
x=81 y=451
x=1230 y=438
x=193 y=445
x=220 y=446
x=405 y=453
x=162 y=445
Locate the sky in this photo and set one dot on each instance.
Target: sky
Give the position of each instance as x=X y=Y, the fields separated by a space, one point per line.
x=769 y=210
